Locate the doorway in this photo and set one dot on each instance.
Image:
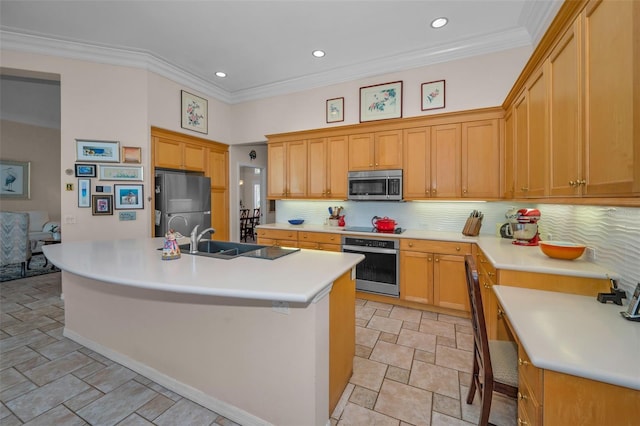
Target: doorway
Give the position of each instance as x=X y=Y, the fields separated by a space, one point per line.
x=252 y=191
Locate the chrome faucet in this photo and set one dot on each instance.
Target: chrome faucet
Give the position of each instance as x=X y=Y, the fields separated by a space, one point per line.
x=186 y=222
x=195 y=238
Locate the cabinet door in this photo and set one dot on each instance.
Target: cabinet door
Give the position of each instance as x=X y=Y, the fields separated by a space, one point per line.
x=509 y=155
x=417 y=163
x=361 y=152
x=218 y=168
x=276 y=170
x=220 y=214
x=445 y=160
x=195 y=157
x=481 y=159
x=450 y=282
x=521 y=145
x=167 y=153
x=416 y=277
x=337 y=166
x=317 y=168
x=538 y=135
x=565 y=112
x=612 y=63
x=388 y=150
x=297 y=169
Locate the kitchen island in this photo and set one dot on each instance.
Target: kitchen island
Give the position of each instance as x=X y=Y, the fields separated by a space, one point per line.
x=247 y=338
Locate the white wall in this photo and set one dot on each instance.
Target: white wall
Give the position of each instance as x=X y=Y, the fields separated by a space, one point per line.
x=481 y=81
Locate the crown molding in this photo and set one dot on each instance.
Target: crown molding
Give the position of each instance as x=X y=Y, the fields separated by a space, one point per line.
x=513 y=38
x=536 y=17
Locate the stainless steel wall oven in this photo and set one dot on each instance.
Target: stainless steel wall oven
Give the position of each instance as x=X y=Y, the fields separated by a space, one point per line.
x=378 y=272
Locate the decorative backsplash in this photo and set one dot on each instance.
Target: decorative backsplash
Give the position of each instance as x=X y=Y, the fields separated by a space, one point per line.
x=614 y=232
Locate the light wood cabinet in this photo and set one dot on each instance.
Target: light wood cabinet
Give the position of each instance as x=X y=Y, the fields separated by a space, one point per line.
x=481 y=163
x=509 y=155
x=287 y=169
x=327 y=167
x=433 y=273
x=375 y=151
x=278 y=237
x=172 y=154
x=417 y=163
x=612 y=98
x=446 y=150
x=531 y=138
x=319 y=241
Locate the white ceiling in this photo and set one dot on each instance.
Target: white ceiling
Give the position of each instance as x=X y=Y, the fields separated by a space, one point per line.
x=265 y=46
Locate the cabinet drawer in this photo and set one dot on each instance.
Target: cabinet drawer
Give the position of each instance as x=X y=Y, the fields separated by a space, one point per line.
x=487 y=266
x=530 y=374
x=431 y=246
x=319 y=246
x=278 y=234
x=319 y=237
x=528 y=406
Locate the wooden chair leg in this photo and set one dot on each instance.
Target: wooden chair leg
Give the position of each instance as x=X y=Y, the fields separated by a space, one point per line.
x=474 y=379
x=487 y=394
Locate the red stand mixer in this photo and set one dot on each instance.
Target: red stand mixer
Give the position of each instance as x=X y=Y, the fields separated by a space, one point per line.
x=525 y=227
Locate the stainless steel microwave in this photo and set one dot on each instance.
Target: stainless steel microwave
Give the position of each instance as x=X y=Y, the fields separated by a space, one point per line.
x=375 y=185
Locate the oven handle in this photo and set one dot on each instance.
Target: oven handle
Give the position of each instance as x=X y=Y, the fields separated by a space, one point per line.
x=369 y=249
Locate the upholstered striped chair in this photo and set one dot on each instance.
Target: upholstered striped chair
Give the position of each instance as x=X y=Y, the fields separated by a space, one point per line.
x=495 y=362
x=14 y=239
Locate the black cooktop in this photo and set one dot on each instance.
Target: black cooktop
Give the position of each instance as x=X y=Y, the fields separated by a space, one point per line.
x=371 y=230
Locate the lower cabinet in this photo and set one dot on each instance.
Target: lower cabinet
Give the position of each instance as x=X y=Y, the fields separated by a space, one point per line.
x=319 y=241
x=432 y=272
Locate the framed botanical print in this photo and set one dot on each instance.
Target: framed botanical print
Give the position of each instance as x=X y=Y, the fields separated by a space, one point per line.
x=432 y=94
x=335 y=110
x=381 y=101
x=195 y=113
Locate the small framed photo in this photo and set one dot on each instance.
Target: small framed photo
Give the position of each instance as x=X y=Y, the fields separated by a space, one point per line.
x=85 y=170
x=433 y=95
x=335 y=110
x=195 y=113
x=98 y=151
x=129 y=197
x=381 y=101
x=15 y=179
x=84 y=192
x=121 y=173
x=102 y=205
x=132 y=154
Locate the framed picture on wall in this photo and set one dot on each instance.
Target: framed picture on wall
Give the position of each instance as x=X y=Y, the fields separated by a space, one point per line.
x=85 y=170
x=102 y=205
x=121 y=173
x=335 y=110
x=132 y=154
x=15 y=179
x=381 y=101
x=129 y=197
x=98 y=151
x=84 y=192
x=433 y=95
x=195 y=112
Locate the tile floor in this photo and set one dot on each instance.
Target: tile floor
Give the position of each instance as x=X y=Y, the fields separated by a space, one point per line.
x=411 y=368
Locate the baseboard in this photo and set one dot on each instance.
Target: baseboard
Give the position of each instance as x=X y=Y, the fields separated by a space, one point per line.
x=227 y=410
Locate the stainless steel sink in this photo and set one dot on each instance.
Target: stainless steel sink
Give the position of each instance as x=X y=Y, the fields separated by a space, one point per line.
x=221 y=249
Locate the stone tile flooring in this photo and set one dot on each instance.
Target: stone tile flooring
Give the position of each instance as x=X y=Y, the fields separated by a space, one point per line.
x=411 y=368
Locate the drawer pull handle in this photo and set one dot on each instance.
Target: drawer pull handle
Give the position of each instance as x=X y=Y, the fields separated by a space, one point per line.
x=457 y=248
x=522 y=397
x=491 y=274
x=522 y=422
x=523 y=362
x=410 y=244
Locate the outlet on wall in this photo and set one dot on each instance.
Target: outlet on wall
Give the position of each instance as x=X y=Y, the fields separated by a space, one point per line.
x=590 y=254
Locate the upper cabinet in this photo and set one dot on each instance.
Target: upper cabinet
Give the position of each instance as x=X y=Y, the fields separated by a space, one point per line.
x=481 y=163
x=574 y=127
x=287 y=169
x=376 y=151
x=446 y=150
x=173 y=154
x=327 y=164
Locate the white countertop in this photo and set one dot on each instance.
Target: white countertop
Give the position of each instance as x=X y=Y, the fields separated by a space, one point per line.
x=500 y=251
x=574 y=334
x=298 y=277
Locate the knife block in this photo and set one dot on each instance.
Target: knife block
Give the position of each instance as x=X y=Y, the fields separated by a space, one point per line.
x=472 y=226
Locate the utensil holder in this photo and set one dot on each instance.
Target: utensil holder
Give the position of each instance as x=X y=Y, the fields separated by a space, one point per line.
x=472 y=226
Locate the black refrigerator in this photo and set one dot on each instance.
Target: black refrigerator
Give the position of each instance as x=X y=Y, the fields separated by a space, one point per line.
x=181 y=194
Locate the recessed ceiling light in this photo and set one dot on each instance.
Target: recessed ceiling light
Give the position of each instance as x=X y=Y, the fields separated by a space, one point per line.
x=318 y=53
x=439 y=22
x=221 y=74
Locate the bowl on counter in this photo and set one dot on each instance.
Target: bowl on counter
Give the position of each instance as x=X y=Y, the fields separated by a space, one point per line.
x=562 y=249
x=296 y=221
